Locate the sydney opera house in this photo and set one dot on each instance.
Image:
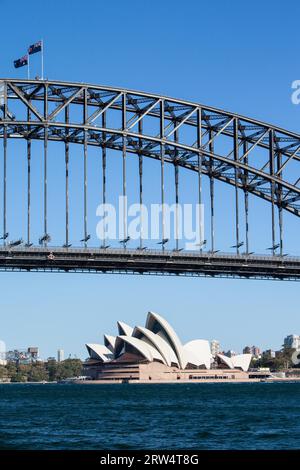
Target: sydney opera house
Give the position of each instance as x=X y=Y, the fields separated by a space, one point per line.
x=155 y=353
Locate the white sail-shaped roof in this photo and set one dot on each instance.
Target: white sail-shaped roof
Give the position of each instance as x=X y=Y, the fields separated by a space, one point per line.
x=124 y=329
x=160 y=326
x=197 y=353
x=242 y=361
x=141 y=347
x=99 y=351
x=109 y=342
x=225 y=360
x=158 y=343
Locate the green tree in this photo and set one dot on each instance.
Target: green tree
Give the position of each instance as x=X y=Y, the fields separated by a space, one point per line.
x=11 y=368
x=69 y=368
x=51 y=367
x=42 y=371
x=18 y=377
x=37 y=373
x=3 y=372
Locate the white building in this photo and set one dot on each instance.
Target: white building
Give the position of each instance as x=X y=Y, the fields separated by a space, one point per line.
x=60 y=355
x=157 y=350
x=3 y=361
x=292 y=341
x=215 y=347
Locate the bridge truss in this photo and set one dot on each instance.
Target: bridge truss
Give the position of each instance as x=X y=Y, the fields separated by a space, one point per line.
x=253 y=157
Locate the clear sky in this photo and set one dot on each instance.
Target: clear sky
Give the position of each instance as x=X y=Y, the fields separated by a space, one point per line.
x=234 y=55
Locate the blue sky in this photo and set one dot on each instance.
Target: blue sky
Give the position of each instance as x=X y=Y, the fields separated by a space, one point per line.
x=240 y=57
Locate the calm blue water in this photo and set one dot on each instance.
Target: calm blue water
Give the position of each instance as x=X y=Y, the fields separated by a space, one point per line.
x=178 y=416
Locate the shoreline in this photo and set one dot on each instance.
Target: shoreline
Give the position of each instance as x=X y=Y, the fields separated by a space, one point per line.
x=144 y=382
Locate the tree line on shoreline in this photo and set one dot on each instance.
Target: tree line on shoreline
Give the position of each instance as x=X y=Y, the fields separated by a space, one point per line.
x=50 y=371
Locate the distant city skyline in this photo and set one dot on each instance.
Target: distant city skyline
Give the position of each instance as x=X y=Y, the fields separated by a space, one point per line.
x=290 y=341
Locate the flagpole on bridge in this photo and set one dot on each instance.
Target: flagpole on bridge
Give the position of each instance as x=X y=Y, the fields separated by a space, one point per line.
x=28 y=66
x=42 y=44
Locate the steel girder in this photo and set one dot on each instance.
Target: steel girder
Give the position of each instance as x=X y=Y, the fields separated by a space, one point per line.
x=253 y=156
x=149 y=262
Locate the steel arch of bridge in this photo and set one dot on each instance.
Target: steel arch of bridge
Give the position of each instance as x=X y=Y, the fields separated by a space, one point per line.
x=187 y=135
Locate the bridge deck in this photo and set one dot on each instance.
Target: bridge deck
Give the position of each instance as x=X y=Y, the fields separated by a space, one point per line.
x=159 y=262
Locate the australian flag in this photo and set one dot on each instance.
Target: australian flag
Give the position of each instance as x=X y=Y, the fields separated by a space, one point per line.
x=37 y=47
x=21 y=62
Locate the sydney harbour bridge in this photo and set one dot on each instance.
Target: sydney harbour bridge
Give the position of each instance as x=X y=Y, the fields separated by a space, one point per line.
x=42 y=123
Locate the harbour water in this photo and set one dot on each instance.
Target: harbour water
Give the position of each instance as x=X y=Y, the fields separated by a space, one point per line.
x=175 y=416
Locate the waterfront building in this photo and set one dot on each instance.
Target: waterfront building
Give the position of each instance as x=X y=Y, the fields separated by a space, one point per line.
x=269 y=354
x=230 y=353
x=254 y=350
x=215 y=347
x=3 y=360
x=33 y=352
x=291 y=341
x=60 y=355
x=23 y=356
x=155 y=352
